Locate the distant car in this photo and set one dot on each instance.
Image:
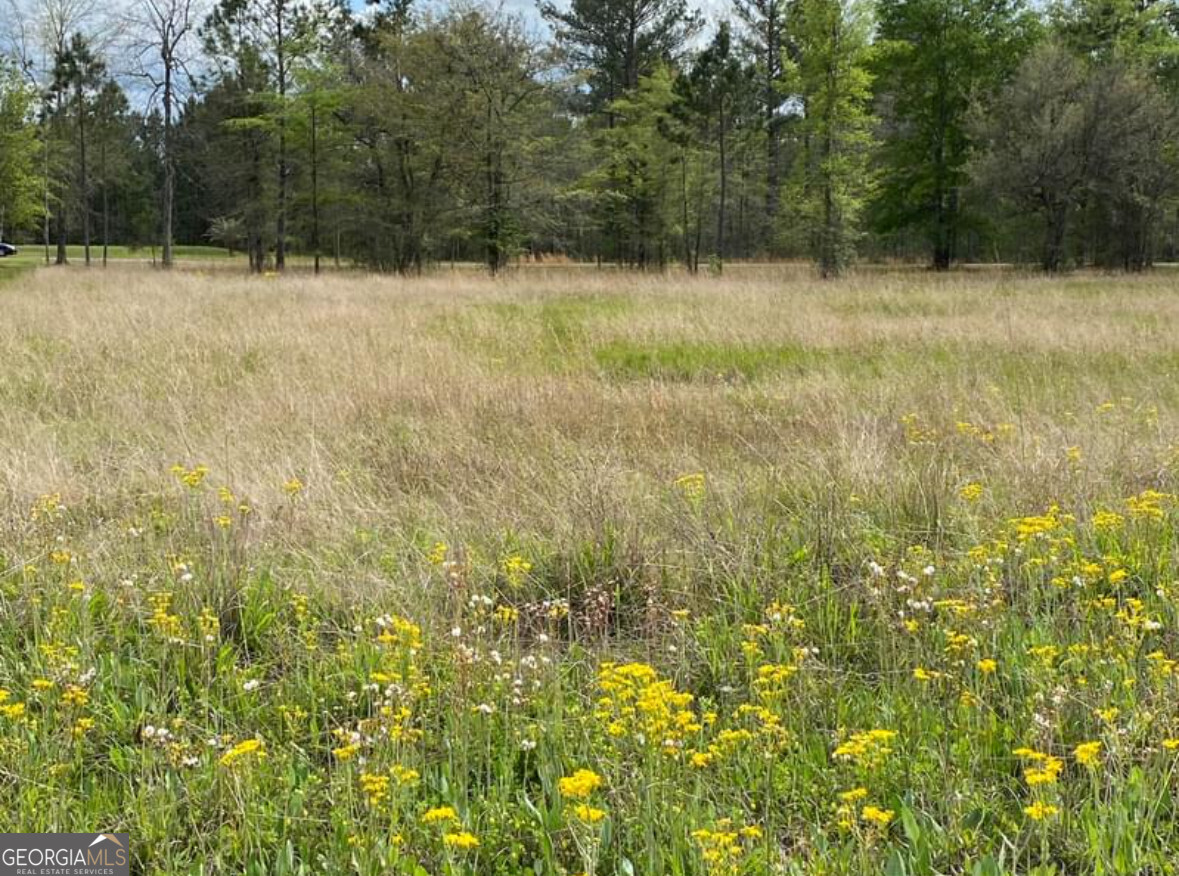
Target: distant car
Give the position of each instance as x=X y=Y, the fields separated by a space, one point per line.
x=6 y=250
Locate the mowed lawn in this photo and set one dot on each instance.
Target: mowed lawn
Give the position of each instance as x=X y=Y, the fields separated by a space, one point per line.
x=587 y=572
x=34 y=254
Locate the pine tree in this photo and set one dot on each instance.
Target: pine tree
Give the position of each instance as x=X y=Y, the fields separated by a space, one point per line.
x=766 y=37
x=634 y=184
x=713 y=96
x=620 y=41
x=79 y=73
x=832 y=178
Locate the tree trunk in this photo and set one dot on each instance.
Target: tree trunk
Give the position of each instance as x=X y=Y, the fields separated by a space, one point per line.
x=724 y=188
x=62 y=255
x=280 y=244
x=106 y=207
x=828 y=257
x=773 y=129
x=169 y=159
x=1053 y=257
x=84 y=179
x=684 y=195
x=944 y=203
x=315 y=187
x=941 y=256
x=45 y=184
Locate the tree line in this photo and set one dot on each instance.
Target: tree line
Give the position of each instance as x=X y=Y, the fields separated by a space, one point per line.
x=633 y=132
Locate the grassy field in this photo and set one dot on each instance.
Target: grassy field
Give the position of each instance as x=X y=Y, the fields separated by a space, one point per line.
x=591 y=573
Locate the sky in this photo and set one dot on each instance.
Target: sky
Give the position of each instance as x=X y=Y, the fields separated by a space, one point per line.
x=714 y=11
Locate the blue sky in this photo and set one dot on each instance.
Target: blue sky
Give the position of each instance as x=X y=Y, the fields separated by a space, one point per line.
x=714 y=10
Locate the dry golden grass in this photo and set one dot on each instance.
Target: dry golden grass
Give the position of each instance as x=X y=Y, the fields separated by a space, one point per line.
x=556 y=398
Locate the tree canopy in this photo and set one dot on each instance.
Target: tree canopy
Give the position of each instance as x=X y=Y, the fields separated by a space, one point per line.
x=633 y=131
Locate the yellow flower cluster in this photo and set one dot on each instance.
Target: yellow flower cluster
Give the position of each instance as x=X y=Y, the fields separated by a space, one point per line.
x=1038 y=526
x=588 y=814
x=1088 y=753
x=867 y=749
x=165 y=623
x=400 y=633
x=876 y=816
x=1040 y=768
x=721 y=846
x=440 y=814
x=516 y=569
x=11 y=711
x=190 y=477
x=638 y=704
x=1040 y=811
x=692 y=486
x=1149 y=505
x=244 y=750
x=970 y=492
x=580 y=785
x=375 y=788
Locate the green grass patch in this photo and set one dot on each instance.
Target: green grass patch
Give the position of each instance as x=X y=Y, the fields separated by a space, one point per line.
x=549 y=335
x=11 y=268
x=702 y=360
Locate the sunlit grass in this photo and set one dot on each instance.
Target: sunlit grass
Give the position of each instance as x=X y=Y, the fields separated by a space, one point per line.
x=577 y=573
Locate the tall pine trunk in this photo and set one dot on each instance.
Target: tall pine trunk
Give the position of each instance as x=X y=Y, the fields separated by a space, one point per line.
x=84 y=178
x=106 y=207
x=724 y=187
x=280 y=244
x=169 y=163
x=315 y=186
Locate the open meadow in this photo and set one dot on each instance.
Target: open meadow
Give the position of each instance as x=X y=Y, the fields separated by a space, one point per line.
x=582 y=572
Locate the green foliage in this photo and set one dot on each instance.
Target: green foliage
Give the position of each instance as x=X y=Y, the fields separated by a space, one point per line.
x=618 y=42
x=935 y=59
x=1064 y=135
x=635 y=185
x=832 y=178
x=413 y=135
x=713 y=101
x=501 y=115
x=1128 y=31
x=20 y=182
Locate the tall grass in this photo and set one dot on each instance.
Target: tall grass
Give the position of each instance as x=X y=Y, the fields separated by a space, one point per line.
x=348 y=575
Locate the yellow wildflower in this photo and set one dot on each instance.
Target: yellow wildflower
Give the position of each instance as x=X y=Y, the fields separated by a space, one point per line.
x=516 y=569
x=971 y=492
x=1087 y=753
x=244 y=749
x=440 y=813
x=876 y=816
x=579 y=785
x=588 y=814
x=1039 y=811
